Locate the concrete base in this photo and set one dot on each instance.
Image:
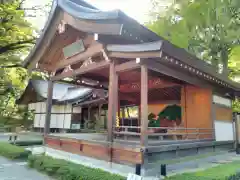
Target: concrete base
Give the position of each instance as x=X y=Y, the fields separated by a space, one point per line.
x=238 y=149
x=149 y=171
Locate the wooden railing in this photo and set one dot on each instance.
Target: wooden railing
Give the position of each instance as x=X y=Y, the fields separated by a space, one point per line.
x=164 y=133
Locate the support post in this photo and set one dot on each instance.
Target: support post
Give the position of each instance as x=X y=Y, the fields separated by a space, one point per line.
x=237 y=126
x=99 y=118
x=163 y=170
x=138 y=169
x=48 y=108
x=144 y=105
x=213 y=115
x=112 y=100
x=88 y=117
x=112 y=105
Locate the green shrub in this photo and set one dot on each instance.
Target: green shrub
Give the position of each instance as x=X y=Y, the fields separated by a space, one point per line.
x=234 y=177
x=13 y=152
x=65 y=170
x=28 y=143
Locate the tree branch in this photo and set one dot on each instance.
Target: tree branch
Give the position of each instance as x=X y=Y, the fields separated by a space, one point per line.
x=11 y=66
x=6 y=48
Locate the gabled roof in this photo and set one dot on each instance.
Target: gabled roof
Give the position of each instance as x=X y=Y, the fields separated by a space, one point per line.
x=123 y=33
x=36 y=91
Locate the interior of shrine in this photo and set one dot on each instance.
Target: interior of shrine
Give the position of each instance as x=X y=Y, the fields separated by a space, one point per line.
x=166 y=107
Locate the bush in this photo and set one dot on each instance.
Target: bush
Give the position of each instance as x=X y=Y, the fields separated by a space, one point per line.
x=28 y=143
x=234 y=177
x=13 y=152
x=65 y=170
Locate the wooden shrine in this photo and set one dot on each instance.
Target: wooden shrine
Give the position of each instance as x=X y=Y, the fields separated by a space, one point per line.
x=139 y=68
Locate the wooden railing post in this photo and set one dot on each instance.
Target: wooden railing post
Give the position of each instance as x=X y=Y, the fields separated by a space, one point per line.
x=197 y=133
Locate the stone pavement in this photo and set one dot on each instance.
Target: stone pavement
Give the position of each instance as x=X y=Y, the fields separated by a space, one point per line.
x=22 y=137
x=12 y=170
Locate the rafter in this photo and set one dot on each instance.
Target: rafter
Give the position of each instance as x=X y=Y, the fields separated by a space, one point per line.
x=45 y=41
x=152 y=84
x=127 y=66
x=81 y=70
x=92 y=50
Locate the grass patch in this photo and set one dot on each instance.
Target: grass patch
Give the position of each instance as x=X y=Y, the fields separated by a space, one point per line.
x=13 y=152
x=190 y=158
x=64 y=170
x=221 y=172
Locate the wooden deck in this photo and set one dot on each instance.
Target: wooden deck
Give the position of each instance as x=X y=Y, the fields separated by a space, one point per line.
x=95 y=145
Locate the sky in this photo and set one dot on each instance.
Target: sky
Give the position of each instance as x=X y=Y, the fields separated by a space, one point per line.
x=137 y=9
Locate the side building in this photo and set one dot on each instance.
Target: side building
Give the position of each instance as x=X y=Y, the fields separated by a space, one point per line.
x=66 y=114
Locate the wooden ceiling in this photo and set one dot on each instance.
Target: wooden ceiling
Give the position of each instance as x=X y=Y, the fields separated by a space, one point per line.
x=161 y=87
x=154 y=95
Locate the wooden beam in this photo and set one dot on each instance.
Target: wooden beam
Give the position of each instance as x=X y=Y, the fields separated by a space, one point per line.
x=163 y=69
x=156 y=83
x=45 y=42
x=80 y=84
x=82 y=70
x=128 y=55
x=144 y=105
x=93 y=50
x=48 y=108
x=127 y=66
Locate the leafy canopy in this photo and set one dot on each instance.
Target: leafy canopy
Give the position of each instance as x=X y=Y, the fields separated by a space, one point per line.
x=208 y=29
x=16 y=38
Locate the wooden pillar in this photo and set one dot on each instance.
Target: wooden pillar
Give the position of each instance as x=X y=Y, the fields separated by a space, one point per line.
x=48 y=108
x=88 y=117
x=213 y=117
x=144 y=105
x=237 y=132
x=112 y=103
x=99 y=117
x=183 y=106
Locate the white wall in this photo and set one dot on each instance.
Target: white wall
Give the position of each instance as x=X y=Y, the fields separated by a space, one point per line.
x=222 y=101
x=224 y=131
x=57 y=120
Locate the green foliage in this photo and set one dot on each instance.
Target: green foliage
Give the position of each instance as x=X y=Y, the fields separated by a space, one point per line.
x=13 y=152
x=236 y=105
x=15 y=32
x=16 y=39
x=208 y=29
x=222 y=172
x=29 y=143
x=65 y=170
